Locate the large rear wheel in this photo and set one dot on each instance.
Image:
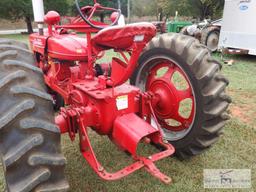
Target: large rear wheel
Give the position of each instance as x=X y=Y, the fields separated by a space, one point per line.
x=29 y=140
x=192 y=102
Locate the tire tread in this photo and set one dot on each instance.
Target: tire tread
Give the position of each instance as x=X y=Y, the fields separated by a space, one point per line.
x=30 y=141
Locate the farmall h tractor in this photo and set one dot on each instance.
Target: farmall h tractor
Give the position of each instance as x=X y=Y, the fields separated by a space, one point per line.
x=137 y=97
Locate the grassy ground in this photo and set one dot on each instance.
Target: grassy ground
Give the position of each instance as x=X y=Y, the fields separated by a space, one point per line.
x=235 y=150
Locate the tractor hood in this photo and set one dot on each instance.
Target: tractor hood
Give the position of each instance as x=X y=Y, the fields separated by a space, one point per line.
x=63 y=47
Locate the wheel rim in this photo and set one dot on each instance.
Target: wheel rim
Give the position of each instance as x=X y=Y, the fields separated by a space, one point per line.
x=212 y=41
x=174 y=103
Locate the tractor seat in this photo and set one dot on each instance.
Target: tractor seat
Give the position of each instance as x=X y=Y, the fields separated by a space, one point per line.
x=123 y=37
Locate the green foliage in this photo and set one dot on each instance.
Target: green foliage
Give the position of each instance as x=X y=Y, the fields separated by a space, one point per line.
x=22 y=9
x=60 y=6
x=207 y=8
x=170 y=7
x=196 y=8
x=14 y=10
x=144 y=7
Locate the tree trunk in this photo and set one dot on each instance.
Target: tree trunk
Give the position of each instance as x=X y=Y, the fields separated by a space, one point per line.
x=102 y=17
x=29 y=24
x=160 y=14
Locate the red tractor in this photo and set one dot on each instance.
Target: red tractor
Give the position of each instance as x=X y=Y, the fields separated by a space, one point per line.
x=162 y=90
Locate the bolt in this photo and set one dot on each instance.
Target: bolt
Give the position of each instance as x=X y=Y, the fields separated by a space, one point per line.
x=100 y=169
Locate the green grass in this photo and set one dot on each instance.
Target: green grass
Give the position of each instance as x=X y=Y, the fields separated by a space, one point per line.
x=235 y=150
x=242 y=88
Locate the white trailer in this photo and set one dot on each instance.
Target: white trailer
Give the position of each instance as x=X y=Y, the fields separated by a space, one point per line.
x=238 y=29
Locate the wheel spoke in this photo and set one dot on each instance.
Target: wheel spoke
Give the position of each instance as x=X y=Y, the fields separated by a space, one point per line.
x=168 y=75
x=184 y=94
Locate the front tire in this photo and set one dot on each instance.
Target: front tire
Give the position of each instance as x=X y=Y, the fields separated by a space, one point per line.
x=29 y=140
x=207 y=87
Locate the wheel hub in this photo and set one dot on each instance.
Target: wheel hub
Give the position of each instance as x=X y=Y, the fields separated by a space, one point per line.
x=212 y=41
x=165 y=101
x=168 y=97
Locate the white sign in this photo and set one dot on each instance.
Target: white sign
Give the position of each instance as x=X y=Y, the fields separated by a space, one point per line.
x=227 y=178
x=122 y=102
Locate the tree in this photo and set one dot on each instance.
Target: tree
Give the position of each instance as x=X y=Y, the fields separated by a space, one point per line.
x=207 y=8
x=171 y=6
x=15 y=10
x=142 y=8
x=196 y=8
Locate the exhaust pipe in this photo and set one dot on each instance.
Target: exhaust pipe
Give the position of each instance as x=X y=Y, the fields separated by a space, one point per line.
x=38 y=10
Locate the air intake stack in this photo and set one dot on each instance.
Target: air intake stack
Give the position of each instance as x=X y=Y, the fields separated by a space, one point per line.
x=38 y=9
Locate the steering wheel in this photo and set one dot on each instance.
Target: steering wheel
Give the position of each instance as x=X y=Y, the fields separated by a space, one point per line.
x=90 y=11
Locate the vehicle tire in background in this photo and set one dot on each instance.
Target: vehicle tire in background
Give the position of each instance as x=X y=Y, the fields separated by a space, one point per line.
x=210 y=37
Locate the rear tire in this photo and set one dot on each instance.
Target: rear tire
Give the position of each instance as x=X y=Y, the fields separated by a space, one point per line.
x=203 y=73
x=29 y=140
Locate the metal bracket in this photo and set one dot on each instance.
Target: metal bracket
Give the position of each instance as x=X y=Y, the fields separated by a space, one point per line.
x=141 y=162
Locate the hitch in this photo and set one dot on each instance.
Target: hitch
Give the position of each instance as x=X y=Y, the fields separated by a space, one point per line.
x=127 y=136
x=140 y=162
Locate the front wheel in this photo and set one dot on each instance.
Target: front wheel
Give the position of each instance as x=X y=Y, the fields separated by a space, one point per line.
x=192 y=102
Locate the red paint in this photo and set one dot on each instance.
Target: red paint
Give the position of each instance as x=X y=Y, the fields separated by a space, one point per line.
x=168 y=98
x=52 y=18
x=105 y=103
x=128 y=135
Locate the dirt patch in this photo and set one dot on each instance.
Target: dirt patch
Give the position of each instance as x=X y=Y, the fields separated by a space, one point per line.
x=244 y=106
x=239 y=112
